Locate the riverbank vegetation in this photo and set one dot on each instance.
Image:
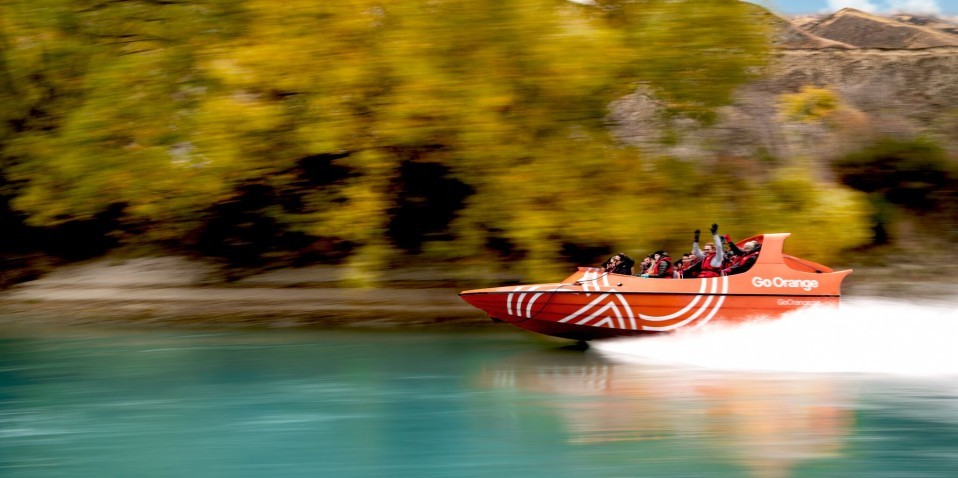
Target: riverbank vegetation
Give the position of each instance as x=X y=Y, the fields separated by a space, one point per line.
x=380 y=133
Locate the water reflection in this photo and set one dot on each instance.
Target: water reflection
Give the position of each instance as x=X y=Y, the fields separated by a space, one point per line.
x=397 y=404
x=767 y=424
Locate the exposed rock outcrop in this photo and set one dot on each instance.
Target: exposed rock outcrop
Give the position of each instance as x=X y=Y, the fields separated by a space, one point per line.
x=905 y=88
x=935 y=23
x=787 y=35
x=863 y=30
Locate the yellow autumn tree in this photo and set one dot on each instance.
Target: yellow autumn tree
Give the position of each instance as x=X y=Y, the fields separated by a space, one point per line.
x=809 y=104
x=505 y=99
x=508 y=95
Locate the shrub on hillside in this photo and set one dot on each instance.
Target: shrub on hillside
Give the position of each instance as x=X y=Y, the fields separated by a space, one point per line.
x=913 y=173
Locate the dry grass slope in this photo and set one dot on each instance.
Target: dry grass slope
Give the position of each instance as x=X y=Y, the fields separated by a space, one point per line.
x=863 y=30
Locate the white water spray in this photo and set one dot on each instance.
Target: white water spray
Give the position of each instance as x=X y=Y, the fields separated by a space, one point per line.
x=867 y=336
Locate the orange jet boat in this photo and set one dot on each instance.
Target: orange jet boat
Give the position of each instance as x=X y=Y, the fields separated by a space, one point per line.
x=592 y=304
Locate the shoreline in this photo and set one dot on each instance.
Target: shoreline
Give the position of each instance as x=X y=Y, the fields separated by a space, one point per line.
x=186 y=292
x=243 y=306
x=174 y=291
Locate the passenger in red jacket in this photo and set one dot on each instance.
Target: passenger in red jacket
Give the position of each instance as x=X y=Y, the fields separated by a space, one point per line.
x=688 y=267
x=661 y=266
x=713 y=258
x=744 y=258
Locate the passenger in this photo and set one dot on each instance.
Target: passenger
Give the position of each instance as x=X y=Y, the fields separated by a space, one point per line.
x=661 y=266
x=731 y=249
x=619 y=264
x=646 y=263
x=713 y=258
x=729 y=252
x=688 y=268
x=744 y=258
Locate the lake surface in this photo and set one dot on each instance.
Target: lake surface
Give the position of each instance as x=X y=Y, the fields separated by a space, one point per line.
x=872 y=392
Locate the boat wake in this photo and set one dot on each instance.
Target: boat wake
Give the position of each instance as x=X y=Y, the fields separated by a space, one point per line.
x=864 y=336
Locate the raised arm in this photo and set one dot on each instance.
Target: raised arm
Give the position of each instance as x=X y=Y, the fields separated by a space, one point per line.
x=732 y=246
x=695 y=246
x=719 y=258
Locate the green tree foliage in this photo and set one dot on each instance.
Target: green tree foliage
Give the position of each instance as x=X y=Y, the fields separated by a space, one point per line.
x=340 y=122
x=909 y=173
x=824 y=219
x=102 y=93
x=913 y=176
x=689 y=53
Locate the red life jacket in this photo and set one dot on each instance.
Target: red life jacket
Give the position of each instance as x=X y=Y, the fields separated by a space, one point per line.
x=683 y=269
x=739 y=261
x=654 y=268
x=707 y=269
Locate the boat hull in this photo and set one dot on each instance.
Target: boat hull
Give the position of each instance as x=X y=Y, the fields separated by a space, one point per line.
x=598 y=315
x=591 y=304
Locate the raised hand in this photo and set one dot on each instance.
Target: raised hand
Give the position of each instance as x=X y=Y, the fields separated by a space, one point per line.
x=714 y=229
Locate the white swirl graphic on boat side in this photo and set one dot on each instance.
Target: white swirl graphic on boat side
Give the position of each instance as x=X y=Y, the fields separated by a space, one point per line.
x=679 y=313
x=520 y=294
x=532 y=301
x=521 y=297
x=591 y=280
x=605 y=311
x=718 y=305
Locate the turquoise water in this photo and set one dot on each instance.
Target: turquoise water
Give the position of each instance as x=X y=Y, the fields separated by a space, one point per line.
x=151 y=403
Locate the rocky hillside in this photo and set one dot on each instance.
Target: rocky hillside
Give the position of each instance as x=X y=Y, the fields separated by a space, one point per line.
x=850 y=28
x=792 y=35
x=863 y=30
x=904 y=88
x=944 y=25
